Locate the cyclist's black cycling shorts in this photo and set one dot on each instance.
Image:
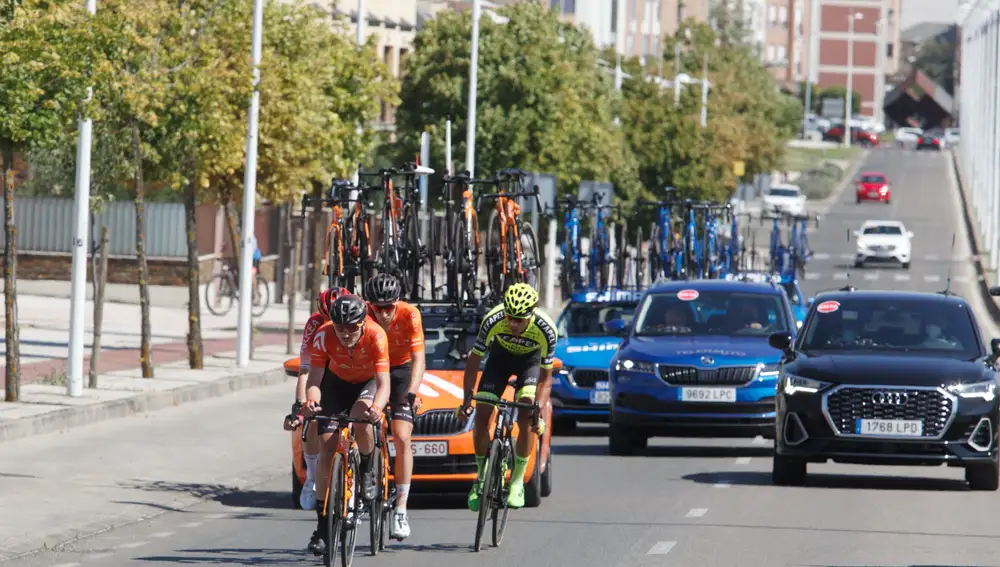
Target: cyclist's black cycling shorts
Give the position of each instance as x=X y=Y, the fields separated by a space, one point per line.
x=501 y=365
x=338 y=396
x=399 y=387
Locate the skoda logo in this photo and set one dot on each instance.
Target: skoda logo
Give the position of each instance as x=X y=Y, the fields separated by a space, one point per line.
x=890 y=398
x=707 y=360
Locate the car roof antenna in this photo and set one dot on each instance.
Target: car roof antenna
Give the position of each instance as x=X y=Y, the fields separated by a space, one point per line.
x=947 y=279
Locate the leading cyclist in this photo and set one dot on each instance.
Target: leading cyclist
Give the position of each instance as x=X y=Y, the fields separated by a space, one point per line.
x=404 y=329
x=521 y=341
x=349 y=370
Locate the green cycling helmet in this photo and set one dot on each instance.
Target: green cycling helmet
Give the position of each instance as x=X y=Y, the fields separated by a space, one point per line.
x=519 y=300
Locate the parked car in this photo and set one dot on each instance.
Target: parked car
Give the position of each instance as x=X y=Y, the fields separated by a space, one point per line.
x=907 y=136
x=859 y=136
x=933 y=139
x=784 y=197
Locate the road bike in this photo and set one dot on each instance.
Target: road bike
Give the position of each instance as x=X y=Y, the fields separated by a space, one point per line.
x=603 y=248
x=343 y=508
x=348 y=236
x=572 y=275
x=223 y=290
x=462 y=237
x=497 y=465
x=511 y=245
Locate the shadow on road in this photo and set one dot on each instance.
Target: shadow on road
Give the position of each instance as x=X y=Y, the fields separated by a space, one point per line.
x=814 y=480
x=231 y=557
x=433 y=547
x=196 y=489
x=256 y=499
x=681 y=451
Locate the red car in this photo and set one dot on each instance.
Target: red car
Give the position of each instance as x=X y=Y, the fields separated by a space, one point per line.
x=860 y=137
x=873 y=186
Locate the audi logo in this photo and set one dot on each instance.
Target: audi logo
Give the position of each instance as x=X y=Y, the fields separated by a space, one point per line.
x=890 y=398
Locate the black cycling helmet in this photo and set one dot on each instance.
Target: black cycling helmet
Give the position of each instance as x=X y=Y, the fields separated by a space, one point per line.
x=382 y=289
x=348 y=310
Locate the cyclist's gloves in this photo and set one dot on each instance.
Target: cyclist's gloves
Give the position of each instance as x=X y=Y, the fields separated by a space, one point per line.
x=294 y=419
x=463 y=411
x=540 y=426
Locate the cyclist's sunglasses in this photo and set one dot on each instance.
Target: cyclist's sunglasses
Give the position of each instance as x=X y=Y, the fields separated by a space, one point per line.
x=349 y=328
x=384 y=307
x=524 y=318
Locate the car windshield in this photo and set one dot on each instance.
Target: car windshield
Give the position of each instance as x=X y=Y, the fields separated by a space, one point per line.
x=883 y=229
x=711 y=313
x=446 y=345
x=872 y=179
x=887 y=324
x=587 y=319
x=781 y=192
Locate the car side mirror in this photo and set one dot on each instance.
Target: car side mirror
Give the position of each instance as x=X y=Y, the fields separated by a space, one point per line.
x=557 y=365
x=783 y=342
x=616 y=328
x=292 y=367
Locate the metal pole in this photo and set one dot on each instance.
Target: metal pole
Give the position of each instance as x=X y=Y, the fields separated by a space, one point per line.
x=849 y=104
x=704 y=94
x=359 y=40
x=879 y=67
x=470 y=131
x=677 y=73
x=809 y=67
x=447 y=147
x=243 y=330
x=81 y=219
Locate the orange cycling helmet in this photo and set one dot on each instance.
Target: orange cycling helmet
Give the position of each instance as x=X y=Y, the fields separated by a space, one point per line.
x=326 y=299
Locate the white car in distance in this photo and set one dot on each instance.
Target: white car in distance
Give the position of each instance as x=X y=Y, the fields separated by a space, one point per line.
x=883 y=241
x=785 y=198
x=908 y=136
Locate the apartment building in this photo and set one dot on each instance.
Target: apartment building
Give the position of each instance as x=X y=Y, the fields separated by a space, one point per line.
x=786 y=40
x=872 y=26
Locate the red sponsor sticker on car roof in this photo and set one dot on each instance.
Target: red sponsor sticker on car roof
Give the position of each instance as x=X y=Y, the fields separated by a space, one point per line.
x=687 y=294
x=828 y=307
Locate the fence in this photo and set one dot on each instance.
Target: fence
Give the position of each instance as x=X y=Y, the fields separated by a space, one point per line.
x=45 y=224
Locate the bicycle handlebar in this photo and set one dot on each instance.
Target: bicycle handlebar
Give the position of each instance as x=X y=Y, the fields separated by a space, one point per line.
x=532 y=193
x=503 y=404
x=343 y=420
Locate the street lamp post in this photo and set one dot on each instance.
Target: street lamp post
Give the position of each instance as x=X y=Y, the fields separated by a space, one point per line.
x=470 y=131
x=849 y=103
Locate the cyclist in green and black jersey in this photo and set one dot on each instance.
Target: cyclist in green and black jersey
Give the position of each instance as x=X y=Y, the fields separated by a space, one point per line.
x=521 y=340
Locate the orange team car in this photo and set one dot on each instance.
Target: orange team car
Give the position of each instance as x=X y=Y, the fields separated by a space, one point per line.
x=443 y=455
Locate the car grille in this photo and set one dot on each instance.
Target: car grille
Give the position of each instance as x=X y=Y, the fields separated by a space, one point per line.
x=845 y=405
x=438 y=422
x=883 y=247
x=692 y=376
x=587 y=378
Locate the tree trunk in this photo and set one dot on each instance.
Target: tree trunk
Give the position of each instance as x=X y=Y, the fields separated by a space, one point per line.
x=293 y=281
x=12 y=382
x=146 y=353
x=234 y=230
x=194 y=342
x=100 y=284
x=319 y=247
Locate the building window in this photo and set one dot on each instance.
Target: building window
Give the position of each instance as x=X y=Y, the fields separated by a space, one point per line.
x=614 y=15
x=569 y=6
x=770 y=54
x=783 y=16
x=782 y=52
x=772 y=16
x=888 y=50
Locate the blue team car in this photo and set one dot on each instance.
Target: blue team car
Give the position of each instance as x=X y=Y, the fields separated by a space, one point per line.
x=695 y=362
x=580 y=389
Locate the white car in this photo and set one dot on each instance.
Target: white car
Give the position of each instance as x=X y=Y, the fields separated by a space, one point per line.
x=908 y=136
x=786 y=198
x=883 y=241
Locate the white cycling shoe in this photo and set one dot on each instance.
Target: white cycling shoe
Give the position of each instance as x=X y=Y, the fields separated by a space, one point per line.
x=400 y=527
x=307 y=498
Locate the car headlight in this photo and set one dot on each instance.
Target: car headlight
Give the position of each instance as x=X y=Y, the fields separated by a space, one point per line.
x=984 y=390
x=767 y=370
x=635 y=366
x=797 y=384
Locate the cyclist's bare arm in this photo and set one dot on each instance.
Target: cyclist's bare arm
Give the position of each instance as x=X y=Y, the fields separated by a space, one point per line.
x=418 y=365
x=313 y=393
x=469 y=378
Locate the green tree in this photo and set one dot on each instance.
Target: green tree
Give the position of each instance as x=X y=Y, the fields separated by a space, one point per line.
x=544 y=103
x=46 y=54
x=937 y=59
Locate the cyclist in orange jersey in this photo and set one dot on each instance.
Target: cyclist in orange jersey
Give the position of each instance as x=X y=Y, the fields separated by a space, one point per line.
x=404 y=328
x=349 y=371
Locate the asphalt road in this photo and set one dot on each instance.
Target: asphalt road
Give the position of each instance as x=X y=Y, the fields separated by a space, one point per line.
x=691 y=503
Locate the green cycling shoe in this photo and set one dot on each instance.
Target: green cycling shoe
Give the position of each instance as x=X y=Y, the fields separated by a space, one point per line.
x=516 y=497
x=474 y=496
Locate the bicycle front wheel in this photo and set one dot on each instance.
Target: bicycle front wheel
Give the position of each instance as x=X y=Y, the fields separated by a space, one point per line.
x=349 y=533
x=488 y=490
x=220 y=294
x=494 y=256
x=375 y=517
x=500 y=508
x=261 y=296
x=334 y=510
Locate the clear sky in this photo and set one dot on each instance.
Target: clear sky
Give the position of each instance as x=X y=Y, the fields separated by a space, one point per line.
x=918 y=11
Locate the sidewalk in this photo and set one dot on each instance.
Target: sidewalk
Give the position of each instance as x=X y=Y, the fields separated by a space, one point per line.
x=86 y=480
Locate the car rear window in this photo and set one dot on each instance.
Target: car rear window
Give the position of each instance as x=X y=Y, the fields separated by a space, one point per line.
x=446 y=344
x=927 y=326
x=711 y=313
x=883 y=230
x=783 y=192
x=873 y=179
x=587 y=319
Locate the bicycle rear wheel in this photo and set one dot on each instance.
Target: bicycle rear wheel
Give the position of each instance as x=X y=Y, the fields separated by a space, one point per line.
x=349 y=534
x=488 y=489
x=335 y=260
x=620 y=254
x=640 y=267
x=412 y=254
x=263 y=296
x=220 y=294
x=530 y=259
x=334 y=510
x=375 y=516
x=494 y=256
x=500 y=508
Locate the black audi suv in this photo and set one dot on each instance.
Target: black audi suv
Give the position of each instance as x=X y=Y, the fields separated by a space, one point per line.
x=887 y=378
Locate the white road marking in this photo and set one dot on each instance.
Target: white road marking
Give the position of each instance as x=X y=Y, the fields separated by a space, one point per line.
x=901 y=277
x=932 y=278
x=190 y=525
x=872 y=277
x=132 y=545
x=162 y=534
x=821 y=256
x=217 y=516
x=743 y=461
x=840 y=276
x=661 y=548
x=100 y=556
x=696 y=512
x=847 y=256
x=66 y=565
x=759 y=440
x=723 y=484
x=812 y=276
x=961 y=279
x=931 y=257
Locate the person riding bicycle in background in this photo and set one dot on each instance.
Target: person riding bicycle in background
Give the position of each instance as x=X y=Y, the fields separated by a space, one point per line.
x=349 y=370
x=404 y=329
x=521 y=340
x=310 y=450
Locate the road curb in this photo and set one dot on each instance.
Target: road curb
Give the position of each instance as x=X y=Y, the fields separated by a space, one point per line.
x=982 y=274
x=72 y=417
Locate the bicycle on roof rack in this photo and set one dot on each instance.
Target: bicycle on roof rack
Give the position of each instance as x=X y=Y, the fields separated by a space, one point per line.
x=347 y=250
x=461 y=249
x=511 y=246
